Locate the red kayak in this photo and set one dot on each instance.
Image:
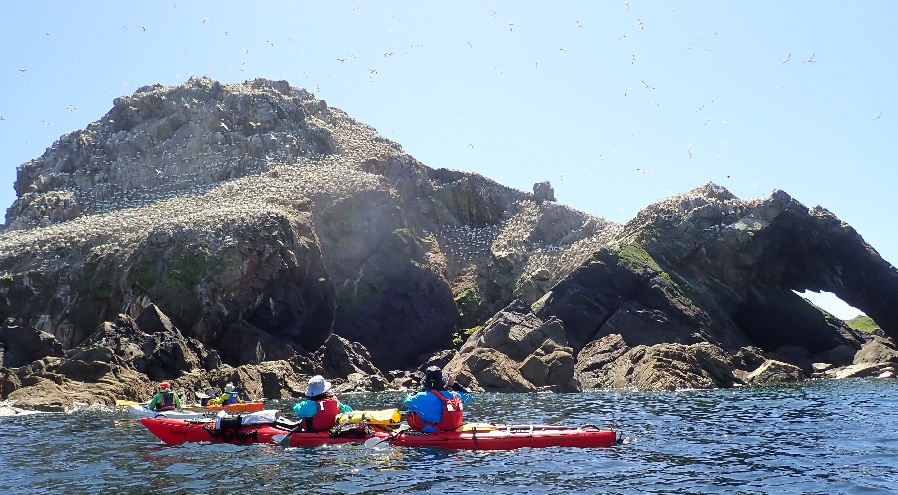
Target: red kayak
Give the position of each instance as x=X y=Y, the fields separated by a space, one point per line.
x=176 y=431
x=471 y=436
x=507 y=437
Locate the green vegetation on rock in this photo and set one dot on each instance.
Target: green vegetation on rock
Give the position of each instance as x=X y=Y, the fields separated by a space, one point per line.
x=636 y=259
x=470 y=303
x=862 y=324
x=171 y=282
x=459 y=338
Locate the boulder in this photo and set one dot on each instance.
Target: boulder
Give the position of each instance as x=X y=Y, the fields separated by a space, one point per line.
x=772 y=371
x=878 y=350
x=516 y=351
x=58 y=384
x=543 y=191
x=863 y=370
x=610 y=363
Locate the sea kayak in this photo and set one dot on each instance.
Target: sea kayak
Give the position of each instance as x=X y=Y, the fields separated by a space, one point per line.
x=239 y=407
x=471 y=437
x=177 y=431
x=141 y=411
x=507 y=437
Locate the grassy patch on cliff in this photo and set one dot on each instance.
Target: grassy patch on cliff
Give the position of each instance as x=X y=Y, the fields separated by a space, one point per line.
x=862 y=324
x=636 y=259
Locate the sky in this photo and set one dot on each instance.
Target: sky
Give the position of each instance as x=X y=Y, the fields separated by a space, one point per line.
x=617 y=103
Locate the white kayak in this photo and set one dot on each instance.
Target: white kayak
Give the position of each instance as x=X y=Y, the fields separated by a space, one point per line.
x=141 y=411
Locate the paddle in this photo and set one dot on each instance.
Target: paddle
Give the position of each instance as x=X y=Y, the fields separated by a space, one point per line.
x=121 y=402
x=283 y=439
x=375 y=441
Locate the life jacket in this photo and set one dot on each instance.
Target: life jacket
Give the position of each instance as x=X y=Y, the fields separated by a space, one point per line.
x=325 y=418
x=167 y=403
x=233 y=397
x=450 y=418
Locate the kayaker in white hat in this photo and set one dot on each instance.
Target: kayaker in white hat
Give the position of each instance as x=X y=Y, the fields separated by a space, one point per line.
x=320 y=407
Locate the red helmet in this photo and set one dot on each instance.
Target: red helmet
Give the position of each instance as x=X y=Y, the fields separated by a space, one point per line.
x=164 y=385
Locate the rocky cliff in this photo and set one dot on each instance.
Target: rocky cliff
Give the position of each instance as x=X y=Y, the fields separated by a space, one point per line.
x=223 y=232
x=699 y=290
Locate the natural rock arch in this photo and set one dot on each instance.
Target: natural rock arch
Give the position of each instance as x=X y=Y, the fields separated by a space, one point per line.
x=814 y=250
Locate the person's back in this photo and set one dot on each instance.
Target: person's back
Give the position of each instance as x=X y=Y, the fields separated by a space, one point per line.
x=436 y=408
x=320 y=408
x=165 y=399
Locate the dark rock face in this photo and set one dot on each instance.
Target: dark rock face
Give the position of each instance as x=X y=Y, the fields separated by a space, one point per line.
x=20 y=346
x=209 y=232
x=391 y=299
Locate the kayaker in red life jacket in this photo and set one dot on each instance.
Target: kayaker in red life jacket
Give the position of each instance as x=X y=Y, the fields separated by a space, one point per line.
x=165 y=400
x=320 y=409
x=437 y=407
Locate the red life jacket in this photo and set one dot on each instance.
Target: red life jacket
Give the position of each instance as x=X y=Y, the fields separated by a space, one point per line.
x=326 y=417
x=450 y=419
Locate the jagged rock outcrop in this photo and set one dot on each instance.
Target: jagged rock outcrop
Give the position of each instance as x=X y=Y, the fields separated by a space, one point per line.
x=122 y=361
x=516 y=351
x=241 y=227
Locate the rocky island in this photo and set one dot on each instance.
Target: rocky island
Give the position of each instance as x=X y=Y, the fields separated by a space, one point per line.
x=208 y=233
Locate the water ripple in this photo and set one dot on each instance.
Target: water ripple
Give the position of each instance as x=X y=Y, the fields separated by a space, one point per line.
x=824 y=437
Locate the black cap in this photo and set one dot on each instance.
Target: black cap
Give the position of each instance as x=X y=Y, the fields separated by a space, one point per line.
x=434 y=378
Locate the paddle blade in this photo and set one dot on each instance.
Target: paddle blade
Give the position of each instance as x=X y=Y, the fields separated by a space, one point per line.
x=375 y=442
x=120 y=402
x=282 y=439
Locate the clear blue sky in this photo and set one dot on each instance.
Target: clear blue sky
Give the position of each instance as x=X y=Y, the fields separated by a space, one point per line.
x=618 y=103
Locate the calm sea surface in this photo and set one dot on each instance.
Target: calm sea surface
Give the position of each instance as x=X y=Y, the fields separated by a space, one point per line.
x=828 y=437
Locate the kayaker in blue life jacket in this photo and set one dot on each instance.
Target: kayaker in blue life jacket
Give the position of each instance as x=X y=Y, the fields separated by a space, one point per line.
x=165 y=399
x=437 y=407
x=230 y=396
x=321 y=407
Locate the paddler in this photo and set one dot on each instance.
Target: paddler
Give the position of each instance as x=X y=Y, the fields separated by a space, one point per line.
x=437 y=407
x=165 y=399
x=319 y=409
x=230 y=396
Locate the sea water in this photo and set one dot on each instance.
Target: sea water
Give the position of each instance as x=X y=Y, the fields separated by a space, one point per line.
x=822 y=437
